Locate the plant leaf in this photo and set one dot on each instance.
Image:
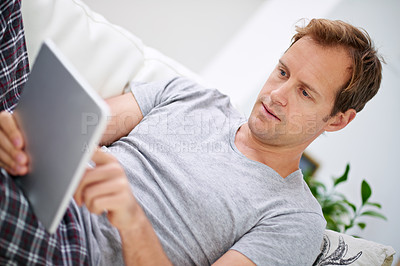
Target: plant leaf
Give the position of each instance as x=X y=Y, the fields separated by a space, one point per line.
x=319 y=184
x=374 y=214
x=335 y=207
x=365 y=191
x=331 y=224
x=374 y=204
x=343 y=178
x=348 y=226
x=351 y=205
x=362 y=225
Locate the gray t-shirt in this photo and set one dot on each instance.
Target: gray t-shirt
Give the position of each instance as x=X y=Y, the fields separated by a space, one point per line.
x=201 y=194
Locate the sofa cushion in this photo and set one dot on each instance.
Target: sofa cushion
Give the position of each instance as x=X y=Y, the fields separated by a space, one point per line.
x=106 y=55
x=343 y=249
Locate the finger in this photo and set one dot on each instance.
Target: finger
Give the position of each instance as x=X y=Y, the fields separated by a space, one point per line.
x=96 y=175
x=18 y=155
x=11 y=130
x=105 y=189
x=108 y=186
x=110 y=202
x=121 y=216
x=6 y=160
x=121 y=208
x=8 y=170
x=78 y=192
x=100 y=157
x=11 y=166
x=21 y=170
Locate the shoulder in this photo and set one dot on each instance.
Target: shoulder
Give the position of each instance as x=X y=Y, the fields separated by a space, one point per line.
x=173 y=88
x=185 y=87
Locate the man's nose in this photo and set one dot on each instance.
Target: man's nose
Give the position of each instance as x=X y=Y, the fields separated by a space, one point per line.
x=280 y=95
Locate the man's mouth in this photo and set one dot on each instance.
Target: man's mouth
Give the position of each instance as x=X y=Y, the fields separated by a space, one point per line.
x=270 y=112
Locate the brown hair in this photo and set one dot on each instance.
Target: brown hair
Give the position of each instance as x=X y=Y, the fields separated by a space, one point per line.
x=366 y=67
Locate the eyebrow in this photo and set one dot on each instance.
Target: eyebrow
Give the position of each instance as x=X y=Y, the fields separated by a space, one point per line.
x=304 y=83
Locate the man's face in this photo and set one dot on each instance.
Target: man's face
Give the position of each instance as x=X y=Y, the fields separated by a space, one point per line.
x=294 y=105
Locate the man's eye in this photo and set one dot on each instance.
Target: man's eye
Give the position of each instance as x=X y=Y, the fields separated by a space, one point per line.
x=283 y=73
x=304 y=92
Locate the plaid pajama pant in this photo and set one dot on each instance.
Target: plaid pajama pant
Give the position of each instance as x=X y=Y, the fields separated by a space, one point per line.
x=24 y=241
x=14 y=66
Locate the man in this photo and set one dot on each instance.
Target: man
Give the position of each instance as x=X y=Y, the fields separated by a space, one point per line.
x=186 y=180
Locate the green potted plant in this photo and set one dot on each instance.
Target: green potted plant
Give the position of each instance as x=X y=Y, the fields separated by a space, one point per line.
x=339 y=212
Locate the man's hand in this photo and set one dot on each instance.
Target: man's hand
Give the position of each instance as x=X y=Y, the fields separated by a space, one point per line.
x=106 y=188
x=13 y=158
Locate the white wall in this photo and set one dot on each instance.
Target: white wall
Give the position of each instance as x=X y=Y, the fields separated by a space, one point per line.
x=234 y=44
x=189 y=31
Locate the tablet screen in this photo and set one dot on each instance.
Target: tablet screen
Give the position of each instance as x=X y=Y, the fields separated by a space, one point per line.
x=62 y=120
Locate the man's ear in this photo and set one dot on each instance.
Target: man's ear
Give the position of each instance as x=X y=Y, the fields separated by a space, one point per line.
x=340 y=120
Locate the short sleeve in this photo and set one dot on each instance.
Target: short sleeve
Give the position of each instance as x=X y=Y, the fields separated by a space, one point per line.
x=153 y=94
x=290 y=239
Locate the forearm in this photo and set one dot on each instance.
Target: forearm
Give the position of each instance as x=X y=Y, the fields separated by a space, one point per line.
x=140 y=244
x=125 y=115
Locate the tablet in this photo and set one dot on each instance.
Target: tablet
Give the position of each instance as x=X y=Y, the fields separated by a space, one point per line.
x=62 y=120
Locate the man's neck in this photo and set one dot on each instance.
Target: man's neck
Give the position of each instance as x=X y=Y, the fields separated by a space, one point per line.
x=283 y=160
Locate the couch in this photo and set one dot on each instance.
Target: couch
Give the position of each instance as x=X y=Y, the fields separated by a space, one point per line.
x=109 y=57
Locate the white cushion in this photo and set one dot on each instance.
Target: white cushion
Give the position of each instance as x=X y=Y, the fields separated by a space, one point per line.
x=343 y=249
x=106 y=55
